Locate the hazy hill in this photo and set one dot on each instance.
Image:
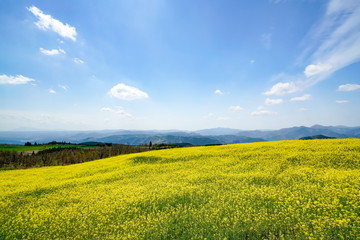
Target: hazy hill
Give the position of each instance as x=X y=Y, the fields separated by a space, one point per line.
x=218 y=131
x=299 y=132
x=200 y=137
x=179 y=138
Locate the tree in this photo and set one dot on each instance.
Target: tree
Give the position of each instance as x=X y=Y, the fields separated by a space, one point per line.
x=150 y=144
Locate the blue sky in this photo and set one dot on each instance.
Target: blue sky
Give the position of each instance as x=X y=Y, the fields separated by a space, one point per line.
x=175 y=64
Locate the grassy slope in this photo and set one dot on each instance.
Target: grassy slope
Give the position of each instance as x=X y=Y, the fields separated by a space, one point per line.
x=289 y=189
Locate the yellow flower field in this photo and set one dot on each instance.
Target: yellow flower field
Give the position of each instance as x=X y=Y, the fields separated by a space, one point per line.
x=269 y=190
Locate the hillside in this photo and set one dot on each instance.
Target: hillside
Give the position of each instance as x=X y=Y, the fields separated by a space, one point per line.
x=268 y=190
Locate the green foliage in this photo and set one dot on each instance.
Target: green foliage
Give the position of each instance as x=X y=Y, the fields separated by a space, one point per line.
x=53 y=155
x=316 y=137
x=269 y=190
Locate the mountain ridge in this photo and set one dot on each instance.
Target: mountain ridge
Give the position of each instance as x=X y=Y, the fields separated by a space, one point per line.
x=198 y=137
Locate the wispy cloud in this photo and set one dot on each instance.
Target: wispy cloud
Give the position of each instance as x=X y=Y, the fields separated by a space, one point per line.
x=348 y=87
x=340 y=30
x=341 y=101
x=263 y=112
x=209 y=115
x=260 y=111
x=47 y=22
x=305 y=97
x=118 y=111
x=18 y=79
x=270 y=101
x=277 y=1
x=52 y=91
x=106 y=109
x=218 y=92
x=236 y=108
x=337 y=39
x=222 y=118
x=52 y=52
x=64 y=87
x=266 y=40
x=125 y=92
x=78 y=61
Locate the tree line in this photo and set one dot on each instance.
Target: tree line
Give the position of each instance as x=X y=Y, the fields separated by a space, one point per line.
x=63 y=155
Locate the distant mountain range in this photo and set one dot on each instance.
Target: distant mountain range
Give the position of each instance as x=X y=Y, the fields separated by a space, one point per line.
x=200 y=137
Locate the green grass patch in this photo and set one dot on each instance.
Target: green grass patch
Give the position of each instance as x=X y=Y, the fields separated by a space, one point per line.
x=21 y=148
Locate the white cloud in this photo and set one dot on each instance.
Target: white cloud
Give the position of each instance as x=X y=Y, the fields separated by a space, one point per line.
x=316 y=69
x=64 y=87
x=118 y=111
x=270 y=101
x=282 y=88
x=348 y=87
x=305 y=97
x=125 y=92
x=261 y=112
x=218 y=92
x=52 y=52
x=47 y=22
x=236 y=108
x=18 y=79
x=78 y=61
x=341 y=101
x=52 y=91
x=252 y=61
x=106 y=109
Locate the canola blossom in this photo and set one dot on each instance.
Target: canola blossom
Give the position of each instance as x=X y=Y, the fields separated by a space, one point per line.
x=269 y=190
